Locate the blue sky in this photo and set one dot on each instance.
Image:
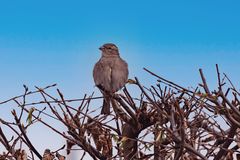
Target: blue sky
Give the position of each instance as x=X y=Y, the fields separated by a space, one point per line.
x=45 y=42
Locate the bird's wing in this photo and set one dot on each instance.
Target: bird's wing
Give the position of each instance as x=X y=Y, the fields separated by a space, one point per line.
x=119 y=74
x=102 y=75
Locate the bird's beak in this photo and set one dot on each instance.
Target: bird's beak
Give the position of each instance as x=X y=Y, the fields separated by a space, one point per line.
x=101 y=48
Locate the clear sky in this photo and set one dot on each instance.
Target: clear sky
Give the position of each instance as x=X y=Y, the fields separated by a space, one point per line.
x=54 y=41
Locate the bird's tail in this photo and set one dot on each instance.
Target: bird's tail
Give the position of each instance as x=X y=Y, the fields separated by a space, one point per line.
x=106 y=106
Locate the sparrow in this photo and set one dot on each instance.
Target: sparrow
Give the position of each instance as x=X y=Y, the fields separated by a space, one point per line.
x=110 y=74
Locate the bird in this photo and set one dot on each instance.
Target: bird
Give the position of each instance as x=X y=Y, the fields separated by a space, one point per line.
x=110 y=74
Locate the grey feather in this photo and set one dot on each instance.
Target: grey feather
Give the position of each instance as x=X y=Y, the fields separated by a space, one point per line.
x=110 y=72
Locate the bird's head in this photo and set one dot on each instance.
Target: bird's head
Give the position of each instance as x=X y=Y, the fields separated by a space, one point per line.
x=109 y=49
